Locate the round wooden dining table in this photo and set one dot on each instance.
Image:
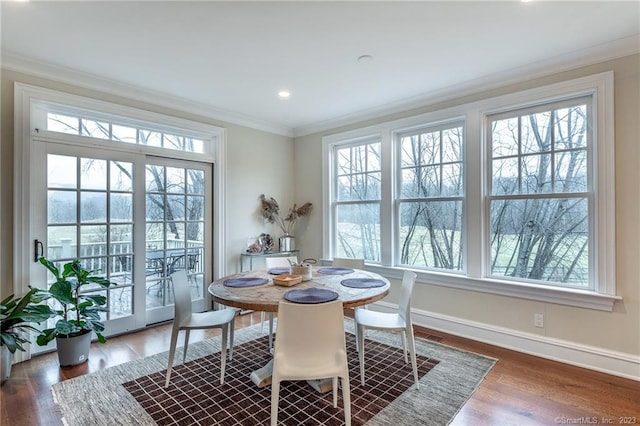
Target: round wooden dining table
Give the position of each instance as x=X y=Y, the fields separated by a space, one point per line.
x=267 y=296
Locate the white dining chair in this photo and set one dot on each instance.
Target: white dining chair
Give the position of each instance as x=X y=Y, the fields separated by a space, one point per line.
x=310 y=345
x=275 y=262
x=399 y=321
x=187 y=320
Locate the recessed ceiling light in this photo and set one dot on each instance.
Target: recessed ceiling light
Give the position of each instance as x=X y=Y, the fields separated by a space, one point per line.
x=365 y=58
x=284 y=93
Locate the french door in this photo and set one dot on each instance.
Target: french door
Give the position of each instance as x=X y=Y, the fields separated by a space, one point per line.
x=132 y=218
x=177 y=232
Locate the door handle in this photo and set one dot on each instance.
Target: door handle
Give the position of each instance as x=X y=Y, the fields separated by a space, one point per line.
x=38 y=250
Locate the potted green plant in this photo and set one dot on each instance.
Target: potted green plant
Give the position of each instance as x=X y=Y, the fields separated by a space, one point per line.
x=16 y=317
x=79 y=313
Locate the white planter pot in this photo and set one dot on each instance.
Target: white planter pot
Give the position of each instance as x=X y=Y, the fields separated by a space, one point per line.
x=6 y=359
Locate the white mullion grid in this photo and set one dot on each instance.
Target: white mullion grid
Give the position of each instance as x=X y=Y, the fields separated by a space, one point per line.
x=440 y=159
x=78 y=205
x=107 y=225
x=552 y=122
x=519 y=154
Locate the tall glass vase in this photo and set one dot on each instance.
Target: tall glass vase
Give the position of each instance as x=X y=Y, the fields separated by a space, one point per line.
x=287 y=243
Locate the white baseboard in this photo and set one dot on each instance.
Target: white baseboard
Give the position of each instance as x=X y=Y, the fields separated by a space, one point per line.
x=591 y=357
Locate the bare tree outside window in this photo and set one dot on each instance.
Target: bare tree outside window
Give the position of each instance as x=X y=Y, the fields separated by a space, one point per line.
x=539 y=203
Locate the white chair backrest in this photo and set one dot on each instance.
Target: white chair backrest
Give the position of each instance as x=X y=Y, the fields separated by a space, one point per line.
x=181 y=296
x=343 y=262
x=308 y=333
x=404 y=303
x=279 y=262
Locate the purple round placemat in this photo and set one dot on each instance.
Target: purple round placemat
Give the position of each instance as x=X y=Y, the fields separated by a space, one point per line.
x=362 y=283
x=335 y=271
x=245 y=282
x=310 y=295
x=279 y=271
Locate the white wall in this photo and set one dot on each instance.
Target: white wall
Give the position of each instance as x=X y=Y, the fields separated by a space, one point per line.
x=610 y=339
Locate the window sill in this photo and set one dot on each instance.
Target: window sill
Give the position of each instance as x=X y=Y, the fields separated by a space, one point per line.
x=562 y=296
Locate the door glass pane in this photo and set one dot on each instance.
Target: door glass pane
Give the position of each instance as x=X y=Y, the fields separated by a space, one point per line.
x=175 y=233
x=175 y=207
x=121 y=176
x=196 y=181
x=61 y=171
x=175 y=180
x=121 y=207
x=93 y=174
x=155 y=178
x=62 y=242
x=62 y=206
x=195 y=208
x=93 y=206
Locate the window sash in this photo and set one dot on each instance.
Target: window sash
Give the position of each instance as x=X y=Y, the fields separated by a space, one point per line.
x=348 y=239
x=542 y=226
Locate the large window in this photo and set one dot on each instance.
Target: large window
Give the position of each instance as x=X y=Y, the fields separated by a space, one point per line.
x=430 y=197
x=357 y=200
x=539 y=197
x=512 y=195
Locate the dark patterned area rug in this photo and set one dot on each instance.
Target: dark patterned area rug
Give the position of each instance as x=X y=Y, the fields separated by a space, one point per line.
x=195 y=395
x=133 y=393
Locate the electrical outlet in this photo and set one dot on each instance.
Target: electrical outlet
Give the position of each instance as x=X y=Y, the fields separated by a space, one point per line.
x=538 y=320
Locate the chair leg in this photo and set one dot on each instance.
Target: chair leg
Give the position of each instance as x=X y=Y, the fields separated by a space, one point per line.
x=262 y=322
x=412 y=352
x=361 y=353
x=186 y=344
x=275 y=395
x=404 y=346
x=223 y=352
x=232 y=326
x=172 y=352
x=334 y=383
x=356 y=333
x=270 y=331
x=346 y=400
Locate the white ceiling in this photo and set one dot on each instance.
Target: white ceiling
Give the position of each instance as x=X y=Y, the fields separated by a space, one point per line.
x=234 y=57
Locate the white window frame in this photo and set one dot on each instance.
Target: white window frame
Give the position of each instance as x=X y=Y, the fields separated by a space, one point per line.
x=586 y=193
x=28 y=123
x=336 y=203
x=600 y=87
x=397 y=138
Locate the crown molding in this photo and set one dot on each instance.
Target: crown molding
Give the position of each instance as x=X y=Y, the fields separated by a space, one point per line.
x=581 y=58
x=577 y=59
x=14 y=62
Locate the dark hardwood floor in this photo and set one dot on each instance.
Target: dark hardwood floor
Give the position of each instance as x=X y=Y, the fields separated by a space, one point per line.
x=520 y=390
